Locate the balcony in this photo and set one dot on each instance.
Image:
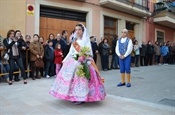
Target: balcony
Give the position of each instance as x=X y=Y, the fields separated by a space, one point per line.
x=165 y=14
x=139 y=9
x=165 y=18
x=80 y=0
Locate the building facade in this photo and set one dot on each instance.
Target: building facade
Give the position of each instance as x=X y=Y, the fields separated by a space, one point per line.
x=103 y=18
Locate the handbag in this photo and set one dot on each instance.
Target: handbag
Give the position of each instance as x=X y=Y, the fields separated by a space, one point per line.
x=39 y=63
x=6 y=56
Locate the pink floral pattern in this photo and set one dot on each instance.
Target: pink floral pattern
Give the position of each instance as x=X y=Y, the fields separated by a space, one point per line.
x=69 y=86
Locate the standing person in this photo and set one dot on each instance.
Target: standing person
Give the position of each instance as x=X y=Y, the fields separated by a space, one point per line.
x=105 y=50
x=69 y=85
x=58 y=57
x=11 y=43
x=172 y=53
x=65 y=45
x=114 y=61
x=41 y=40
x=157 y=53
x=36 y=52
x=133 y=54
x=100 y=51
x=49 y=58
x=164 y=52
x=94 y=48
x=137 y=53
x=27 y=41
x=150 y=52
x=22 y=46
x=143 y=54
x=123 y=49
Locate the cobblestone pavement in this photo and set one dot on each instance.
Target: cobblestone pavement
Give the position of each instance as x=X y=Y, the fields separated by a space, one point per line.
x=151 y=94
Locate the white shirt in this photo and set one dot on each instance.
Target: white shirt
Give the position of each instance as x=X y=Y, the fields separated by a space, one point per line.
x=129 y=48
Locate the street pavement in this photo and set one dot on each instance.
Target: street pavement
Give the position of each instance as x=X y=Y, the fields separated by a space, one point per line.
x=152 y=93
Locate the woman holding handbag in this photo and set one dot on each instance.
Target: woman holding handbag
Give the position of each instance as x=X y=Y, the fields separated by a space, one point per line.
x=36 y=53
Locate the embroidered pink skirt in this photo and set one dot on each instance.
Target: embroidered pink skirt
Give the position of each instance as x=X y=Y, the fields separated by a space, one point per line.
x=69 y=86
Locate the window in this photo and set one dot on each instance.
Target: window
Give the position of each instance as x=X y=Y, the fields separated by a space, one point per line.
x=54 y=12
x=160 y=36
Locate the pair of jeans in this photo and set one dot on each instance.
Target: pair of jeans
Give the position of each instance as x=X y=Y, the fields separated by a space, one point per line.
x=49 y=68
x=114 y=62
x=19 y=62
x=157 y=59
x=5 y=69
x=137 y=60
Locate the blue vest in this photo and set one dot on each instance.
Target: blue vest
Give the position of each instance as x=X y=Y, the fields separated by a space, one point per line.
x=123 y=46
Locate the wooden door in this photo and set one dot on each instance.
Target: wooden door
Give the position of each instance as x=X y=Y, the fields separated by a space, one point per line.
x=110 y=29
x=131 y=34
x=55 y=26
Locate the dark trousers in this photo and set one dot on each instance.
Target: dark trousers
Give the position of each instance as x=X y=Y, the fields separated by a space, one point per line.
x=114 y=61
x=18 y=61
x=142 y=60
x=16 y=75
x=25 y=65
x=49 y=68
x=157 y=59
x=41 y=71
x=95 y=57
x=137 y=60
x=34 y=69
x=105 y=62
x=149 y=59
x=165 y=59
x=172 y=59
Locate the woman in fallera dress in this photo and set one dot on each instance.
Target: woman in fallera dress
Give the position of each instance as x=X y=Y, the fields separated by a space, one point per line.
x=69 y=85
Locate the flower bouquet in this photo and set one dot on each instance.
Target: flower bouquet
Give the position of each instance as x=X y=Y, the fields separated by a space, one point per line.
x=84 y=58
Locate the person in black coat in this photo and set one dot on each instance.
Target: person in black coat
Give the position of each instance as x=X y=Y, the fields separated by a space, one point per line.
x=11 y=43
x=49 y=57
x=105 y=51
x=150 y=52
x=115 y=58
x=143 y=51
x=94 y=48
x=22 y=47
x=65 y=45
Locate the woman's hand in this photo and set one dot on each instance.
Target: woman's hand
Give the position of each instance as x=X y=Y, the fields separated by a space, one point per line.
x=37 y=56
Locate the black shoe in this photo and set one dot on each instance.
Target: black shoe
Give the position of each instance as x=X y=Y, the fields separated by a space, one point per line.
x=25 y=82
x=10 y=82
x=17 y=80
x=105 y=70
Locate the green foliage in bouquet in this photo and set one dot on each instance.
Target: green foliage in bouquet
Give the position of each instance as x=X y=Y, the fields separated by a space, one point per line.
x=85 y=51
x=83 y=69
